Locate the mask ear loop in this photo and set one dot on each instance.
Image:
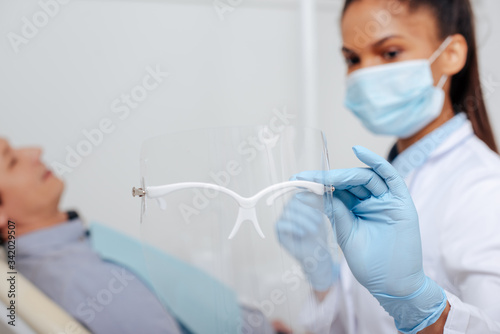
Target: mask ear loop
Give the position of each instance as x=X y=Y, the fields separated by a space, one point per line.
x=441 y=49
x=442 y=81
x=436 y=55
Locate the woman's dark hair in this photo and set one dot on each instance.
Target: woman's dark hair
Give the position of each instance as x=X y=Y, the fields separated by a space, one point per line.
x=457 y=17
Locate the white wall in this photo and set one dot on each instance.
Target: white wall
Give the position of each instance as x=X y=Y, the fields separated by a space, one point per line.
x=222 y=72
x=234 y=71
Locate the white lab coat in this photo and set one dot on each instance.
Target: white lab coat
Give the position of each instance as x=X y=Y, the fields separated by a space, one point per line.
x=457 y=196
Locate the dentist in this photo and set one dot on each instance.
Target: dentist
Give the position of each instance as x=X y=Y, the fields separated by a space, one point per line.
x=420 y=235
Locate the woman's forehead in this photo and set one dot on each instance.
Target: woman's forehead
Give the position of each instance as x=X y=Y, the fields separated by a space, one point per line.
x=371 y=21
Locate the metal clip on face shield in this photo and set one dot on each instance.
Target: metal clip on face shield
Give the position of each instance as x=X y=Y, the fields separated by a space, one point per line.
x=247 y=204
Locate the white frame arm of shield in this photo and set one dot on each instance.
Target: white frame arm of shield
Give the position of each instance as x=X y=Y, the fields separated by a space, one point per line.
x=245 y=203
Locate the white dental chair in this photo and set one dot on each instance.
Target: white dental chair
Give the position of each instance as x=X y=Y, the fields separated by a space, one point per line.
x=35 y=312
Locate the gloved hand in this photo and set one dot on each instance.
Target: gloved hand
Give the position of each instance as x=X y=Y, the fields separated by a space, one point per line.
x=303 y=231
x=380 y=237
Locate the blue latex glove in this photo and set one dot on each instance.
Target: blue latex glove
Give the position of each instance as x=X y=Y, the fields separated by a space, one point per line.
x=303 y=231
x=380 y=237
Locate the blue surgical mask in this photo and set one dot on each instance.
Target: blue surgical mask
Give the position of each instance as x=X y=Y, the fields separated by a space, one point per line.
x=397 y=99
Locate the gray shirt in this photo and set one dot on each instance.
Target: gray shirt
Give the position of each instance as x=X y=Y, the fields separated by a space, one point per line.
x=103 y=296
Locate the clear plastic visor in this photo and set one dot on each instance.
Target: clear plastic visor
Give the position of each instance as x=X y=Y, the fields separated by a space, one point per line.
x=211 y=201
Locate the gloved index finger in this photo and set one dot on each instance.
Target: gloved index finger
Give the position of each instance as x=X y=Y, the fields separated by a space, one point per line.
x=383 y=168
x=344 y=179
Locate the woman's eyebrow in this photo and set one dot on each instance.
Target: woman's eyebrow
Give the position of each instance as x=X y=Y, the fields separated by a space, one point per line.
x=346 y=50
x=374 y=45
x=385 y=39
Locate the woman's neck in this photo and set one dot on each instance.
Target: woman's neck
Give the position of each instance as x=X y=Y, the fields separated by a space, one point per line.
x=446 y=114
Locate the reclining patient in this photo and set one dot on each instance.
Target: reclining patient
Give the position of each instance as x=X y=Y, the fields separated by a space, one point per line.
x=53 y=251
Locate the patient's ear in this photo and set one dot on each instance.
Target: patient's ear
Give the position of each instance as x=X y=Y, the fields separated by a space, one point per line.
x=4 y=222
x=4 y=219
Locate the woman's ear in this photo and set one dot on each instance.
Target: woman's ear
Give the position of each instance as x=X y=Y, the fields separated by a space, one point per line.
x=455 y=56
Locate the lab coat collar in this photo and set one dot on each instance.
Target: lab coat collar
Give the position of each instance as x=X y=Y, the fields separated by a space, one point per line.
x=48 y=239
x=464 y=132
x=438 y=142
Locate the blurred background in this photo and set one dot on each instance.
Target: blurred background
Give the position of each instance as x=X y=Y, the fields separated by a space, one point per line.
x=90 y=80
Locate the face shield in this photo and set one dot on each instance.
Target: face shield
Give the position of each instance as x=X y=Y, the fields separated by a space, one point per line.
x=211 y=200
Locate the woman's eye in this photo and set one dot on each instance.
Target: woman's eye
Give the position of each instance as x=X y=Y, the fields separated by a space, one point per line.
x=13 y=162
x=351 y=61
x=391 y=55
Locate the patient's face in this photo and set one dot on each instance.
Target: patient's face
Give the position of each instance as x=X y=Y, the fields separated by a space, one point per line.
x=27 y=187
